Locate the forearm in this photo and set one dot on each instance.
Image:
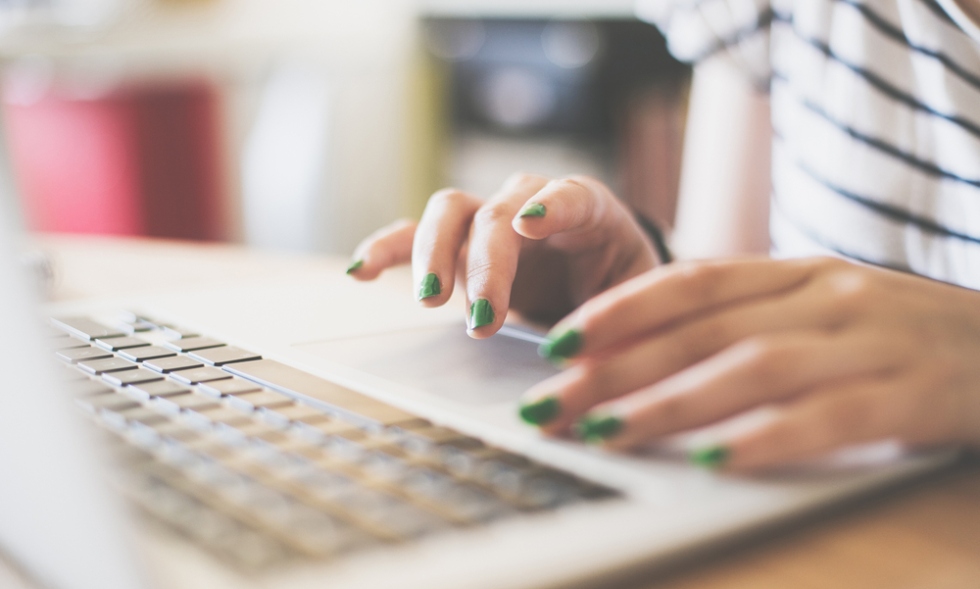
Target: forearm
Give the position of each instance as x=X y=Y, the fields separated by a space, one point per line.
x=723 y=207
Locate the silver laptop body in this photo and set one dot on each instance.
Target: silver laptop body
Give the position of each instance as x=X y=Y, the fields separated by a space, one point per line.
x=503 y=507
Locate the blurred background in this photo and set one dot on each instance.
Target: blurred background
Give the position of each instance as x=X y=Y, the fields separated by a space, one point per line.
x=306 y=124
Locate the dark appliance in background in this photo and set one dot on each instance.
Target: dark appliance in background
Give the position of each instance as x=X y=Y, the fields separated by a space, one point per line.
x=605 y=88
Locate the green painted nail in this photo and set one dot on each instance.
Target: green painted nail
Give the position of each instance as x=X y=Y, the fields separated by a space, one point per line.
x=481 y=313
x=541 y=411
x=565 y=345
x=710 y=457
x=355 y=266
x=595 y=428
x=430 y=287
x=533 y=210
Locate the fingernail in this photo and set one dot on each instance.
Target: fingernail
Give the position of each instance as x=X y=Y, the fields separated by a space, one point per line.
x=596 y=428
x=481 y=313
x=710 y=456
x=355 y=266
x=541 y=411
x=565 y=345
x=430 y=287
x=533 y=210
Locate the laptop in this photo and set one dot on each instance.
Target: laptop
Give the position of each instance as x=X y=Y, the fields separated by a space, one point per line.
x=315 y=431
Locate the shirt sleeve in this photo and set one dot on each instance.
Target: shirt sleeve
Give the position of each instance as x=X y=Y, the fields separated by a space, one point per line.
x=698 y=30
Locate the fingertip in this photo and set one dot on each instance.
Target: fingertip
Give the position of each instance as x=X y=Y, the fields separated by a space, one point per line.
x=363 y=270
x=711 y=457
x=355 y=266
x=533 y=225
x=532 y=210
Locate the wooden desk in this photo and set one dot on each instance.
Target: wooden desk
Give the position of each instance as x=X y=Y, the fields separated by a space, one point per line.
x=923 y=536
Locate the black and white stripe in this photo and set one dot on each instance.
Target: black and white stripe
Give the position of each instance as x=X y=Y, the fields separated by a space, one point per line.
x=876 y=112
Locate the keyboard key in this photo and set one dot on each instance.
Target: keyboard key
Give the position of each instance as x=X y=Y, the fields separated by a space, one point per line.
x=143 y=415
x=171 y=363
x=285 y=378
x=285 y=414
x=196 y=375
x=259 y=400
x=106 y=365
x=176 y=431
x=87 y=328
x=424 y=437
x=66 y=343
x=191 y=344
x=76 y=355
x=128 y=377
x=171 y=332
x=190 y=401
x=321 y=430
x=121 y=343
x=384 y=415
x=225 y=415
x=224 y=355
x=158 y=388
x=232 y=386
x=89 y=387
x=144 y=354
x=110 y=402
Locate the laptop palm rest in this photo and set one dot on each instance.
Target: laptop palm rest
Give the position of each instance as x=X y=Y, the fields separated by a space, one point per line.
x=443 y=360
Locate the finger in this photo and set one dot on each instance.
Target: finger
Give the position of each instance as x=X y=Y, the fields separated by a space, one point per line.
x=494 y=249
x=438 y=241
x=670 y=294
x=571 y=205
x=386 y=247
x=753 y=372
x=652 y=359
x=832 y=417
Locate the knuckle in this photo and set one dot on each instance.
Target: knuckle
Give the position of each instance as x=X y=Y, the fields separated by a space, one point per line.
x=713 y=334
x=448 y=198
x=597 y=381
x=846 y=419
x=569 y=185
x=830 y=263
x=673 y=409
x=768 y=361
x=493 y=214
x=477 y=271
x=852 y=290
x=699 y=282
x=523 y=179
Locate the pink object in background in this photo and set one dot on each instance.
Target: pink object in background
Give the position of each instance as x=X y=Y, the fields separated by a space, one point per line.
x=138 y=161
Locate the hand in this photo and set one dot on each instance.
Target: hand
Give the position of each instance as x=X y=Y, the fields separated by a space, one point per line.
x=836 y=353
x=540 y=247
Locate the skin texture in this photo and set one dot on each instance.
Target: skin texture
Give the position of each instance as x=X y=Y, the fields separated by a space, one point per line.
x=839 y=353
x=542 y=267
x=831 y=352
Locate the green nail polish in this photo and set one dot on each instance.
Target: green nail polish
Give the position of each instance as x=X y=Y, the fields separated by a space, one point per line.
x=355 y=266
x=430 y=287
x=533 y=210
x=710 y=456
x=565 y=345
x=541 y=411
x=596 y=428
x=481 y=313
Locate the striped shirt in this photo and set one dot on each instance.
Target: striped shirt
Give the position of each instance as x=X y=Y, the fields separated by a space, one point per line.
x=876 y=122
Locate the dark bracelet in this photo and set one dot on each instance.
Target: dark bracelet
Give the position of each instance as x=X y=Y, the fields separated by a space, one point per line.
x=656 y=236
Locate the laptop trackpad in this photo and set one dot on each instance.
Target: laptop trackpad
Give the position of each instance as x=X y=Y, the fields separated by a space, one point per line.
x=443 y=360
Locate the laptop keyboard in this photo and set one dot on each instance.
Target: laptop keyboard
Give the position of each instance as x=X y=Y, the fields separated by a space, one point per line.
x=265 y=464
